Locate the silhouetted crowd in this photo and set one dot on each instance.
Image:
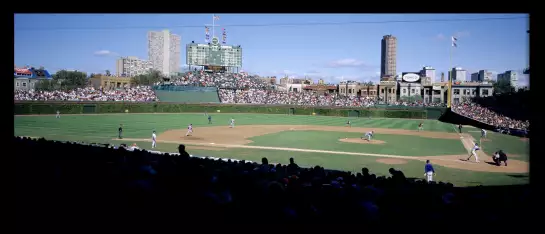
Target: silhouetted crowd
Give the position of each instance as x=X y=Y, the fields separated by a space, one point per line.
x=485 y=115
x=134 y=94
x=62 y=185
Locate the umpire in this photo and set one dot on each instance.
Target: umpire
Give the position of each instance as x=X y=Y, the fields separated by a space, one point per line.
x=499 y=157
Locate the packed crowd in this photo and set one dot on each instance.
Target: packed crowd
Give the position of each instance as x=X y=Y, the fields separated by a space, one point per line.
x=485 y=115
x=259 y=96
x=136 y=94
x=220 y=80
x=90 y=186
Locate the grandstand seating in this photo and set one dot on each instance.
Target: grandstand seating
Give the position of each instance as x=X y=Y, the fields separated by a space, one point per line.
x=63 y=185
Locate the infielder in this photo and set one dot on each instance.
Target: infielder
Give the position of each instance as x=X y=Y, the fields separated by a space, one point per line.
x=428 y=171
x=474 y=152
x=189 y=130
x=209 y=119
x=58 y=114
x=348 y=123
x=367 y=136
x=420 y=126
x=232 y=123
x=483 y=133
x=153 y=140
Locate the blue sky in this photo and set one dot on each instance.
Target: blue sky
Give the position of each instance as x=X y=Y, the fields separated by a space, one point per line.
x=91 y=43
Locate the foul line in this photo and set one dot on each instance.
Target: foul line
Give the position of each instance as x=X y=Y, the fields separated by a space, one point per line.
x=291 y=149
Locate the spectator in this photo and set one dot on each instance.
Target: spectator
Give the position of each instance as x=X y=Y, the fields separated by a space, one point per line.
x=136 y=94
x=485 y=115
x=195 y=187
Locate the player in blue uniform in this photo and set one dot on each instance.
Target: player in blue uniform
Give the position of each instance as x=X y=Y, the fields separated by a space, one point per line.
x=368 y=136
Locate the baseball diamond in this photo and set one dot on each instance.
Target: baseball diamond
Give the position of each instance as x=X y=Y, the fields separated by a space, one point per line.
x=311 y=139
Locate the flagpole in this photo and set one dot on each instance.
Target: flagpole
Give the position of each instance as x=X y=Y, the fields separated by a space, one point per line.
x=450 y=77
x=213 y=25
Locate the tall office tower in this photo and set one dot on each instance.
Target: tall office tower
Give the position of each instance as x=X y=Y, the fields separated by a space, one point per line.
x=131 y=66
x=509 y=76
x=164 y=51
x=388 y=57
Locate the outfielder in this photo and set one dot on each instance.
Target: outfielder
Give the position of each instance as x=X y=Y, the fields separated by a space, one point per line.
x=153 y=140
x=367 y=136
x=420 y=126
x=209 y=119
x=189 y=130
x=474 y=152
x=428 y=171
x=483 y=133
x=58 y=114
x=232 y=123
x=348 y=123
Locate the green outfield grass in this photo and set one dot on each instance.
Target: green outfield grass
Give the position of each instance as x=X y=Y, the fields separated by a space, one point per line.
x=103 y=128
x=395 y=144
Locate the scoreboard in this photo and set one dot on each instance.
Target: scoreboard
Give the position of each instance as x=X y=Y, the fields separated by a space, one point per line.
x=213 y=54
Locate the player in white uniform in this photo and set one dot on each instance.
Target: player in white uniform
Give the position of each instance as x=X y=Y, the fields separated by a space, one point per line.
x=58 y=114
x=232 y=123
x=153 y=140
x=474 y=152
x=483 y=133
x=189 y=130
x=367 y=136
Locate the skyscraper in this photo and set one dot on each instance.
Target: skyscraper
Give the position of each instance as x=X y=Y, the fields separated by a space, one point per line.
x=388 y=57
x=132 y=66
x=164 y=51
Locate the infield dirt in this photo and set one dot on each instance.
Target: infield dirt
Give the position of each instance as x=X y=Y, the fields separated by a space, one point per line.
x=223 y=137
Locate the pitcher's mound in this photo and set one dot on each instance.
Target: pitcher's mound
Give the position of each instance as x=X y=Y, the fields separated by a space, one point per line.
x=360 y=141
x=391 y=161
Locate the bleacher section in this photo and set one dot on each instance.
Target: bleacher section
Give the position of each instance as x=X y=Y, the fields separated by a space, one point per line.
x=190 y=94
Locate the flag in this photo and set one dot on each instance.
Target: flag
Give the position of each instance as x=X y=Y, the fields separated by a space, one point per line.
x=454 y=40
x=216 y=17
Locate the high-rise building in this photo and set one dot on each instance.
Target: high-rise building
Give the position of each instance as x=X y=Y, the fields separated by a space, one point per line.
x=475 y=77
x=132 y=66
x=485 y=76
x=510 y=76
x=428 y=72
x=388 y=65
x=458 y=74
x=164 y=51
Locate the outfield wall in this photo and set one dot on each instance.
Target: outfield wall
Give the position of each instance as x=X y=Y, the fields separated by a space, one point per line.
x=28 y=107
x=187 y=94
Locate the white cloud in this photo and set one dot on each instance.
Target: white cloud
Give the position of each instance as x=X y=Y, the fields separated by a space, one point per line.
x=105 y=53
x=524 y=80
x=349 y=62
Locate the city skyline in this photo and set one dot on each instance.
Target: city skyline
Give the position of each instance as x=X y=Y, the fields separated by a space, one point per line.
x=344 y=51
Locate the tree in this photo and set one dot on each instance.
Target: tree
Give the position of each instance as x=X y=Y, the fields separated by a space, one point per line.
x=503 y=87
x=149 y=78
x=70 y=79
x=46 y=85
x=108 y=73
